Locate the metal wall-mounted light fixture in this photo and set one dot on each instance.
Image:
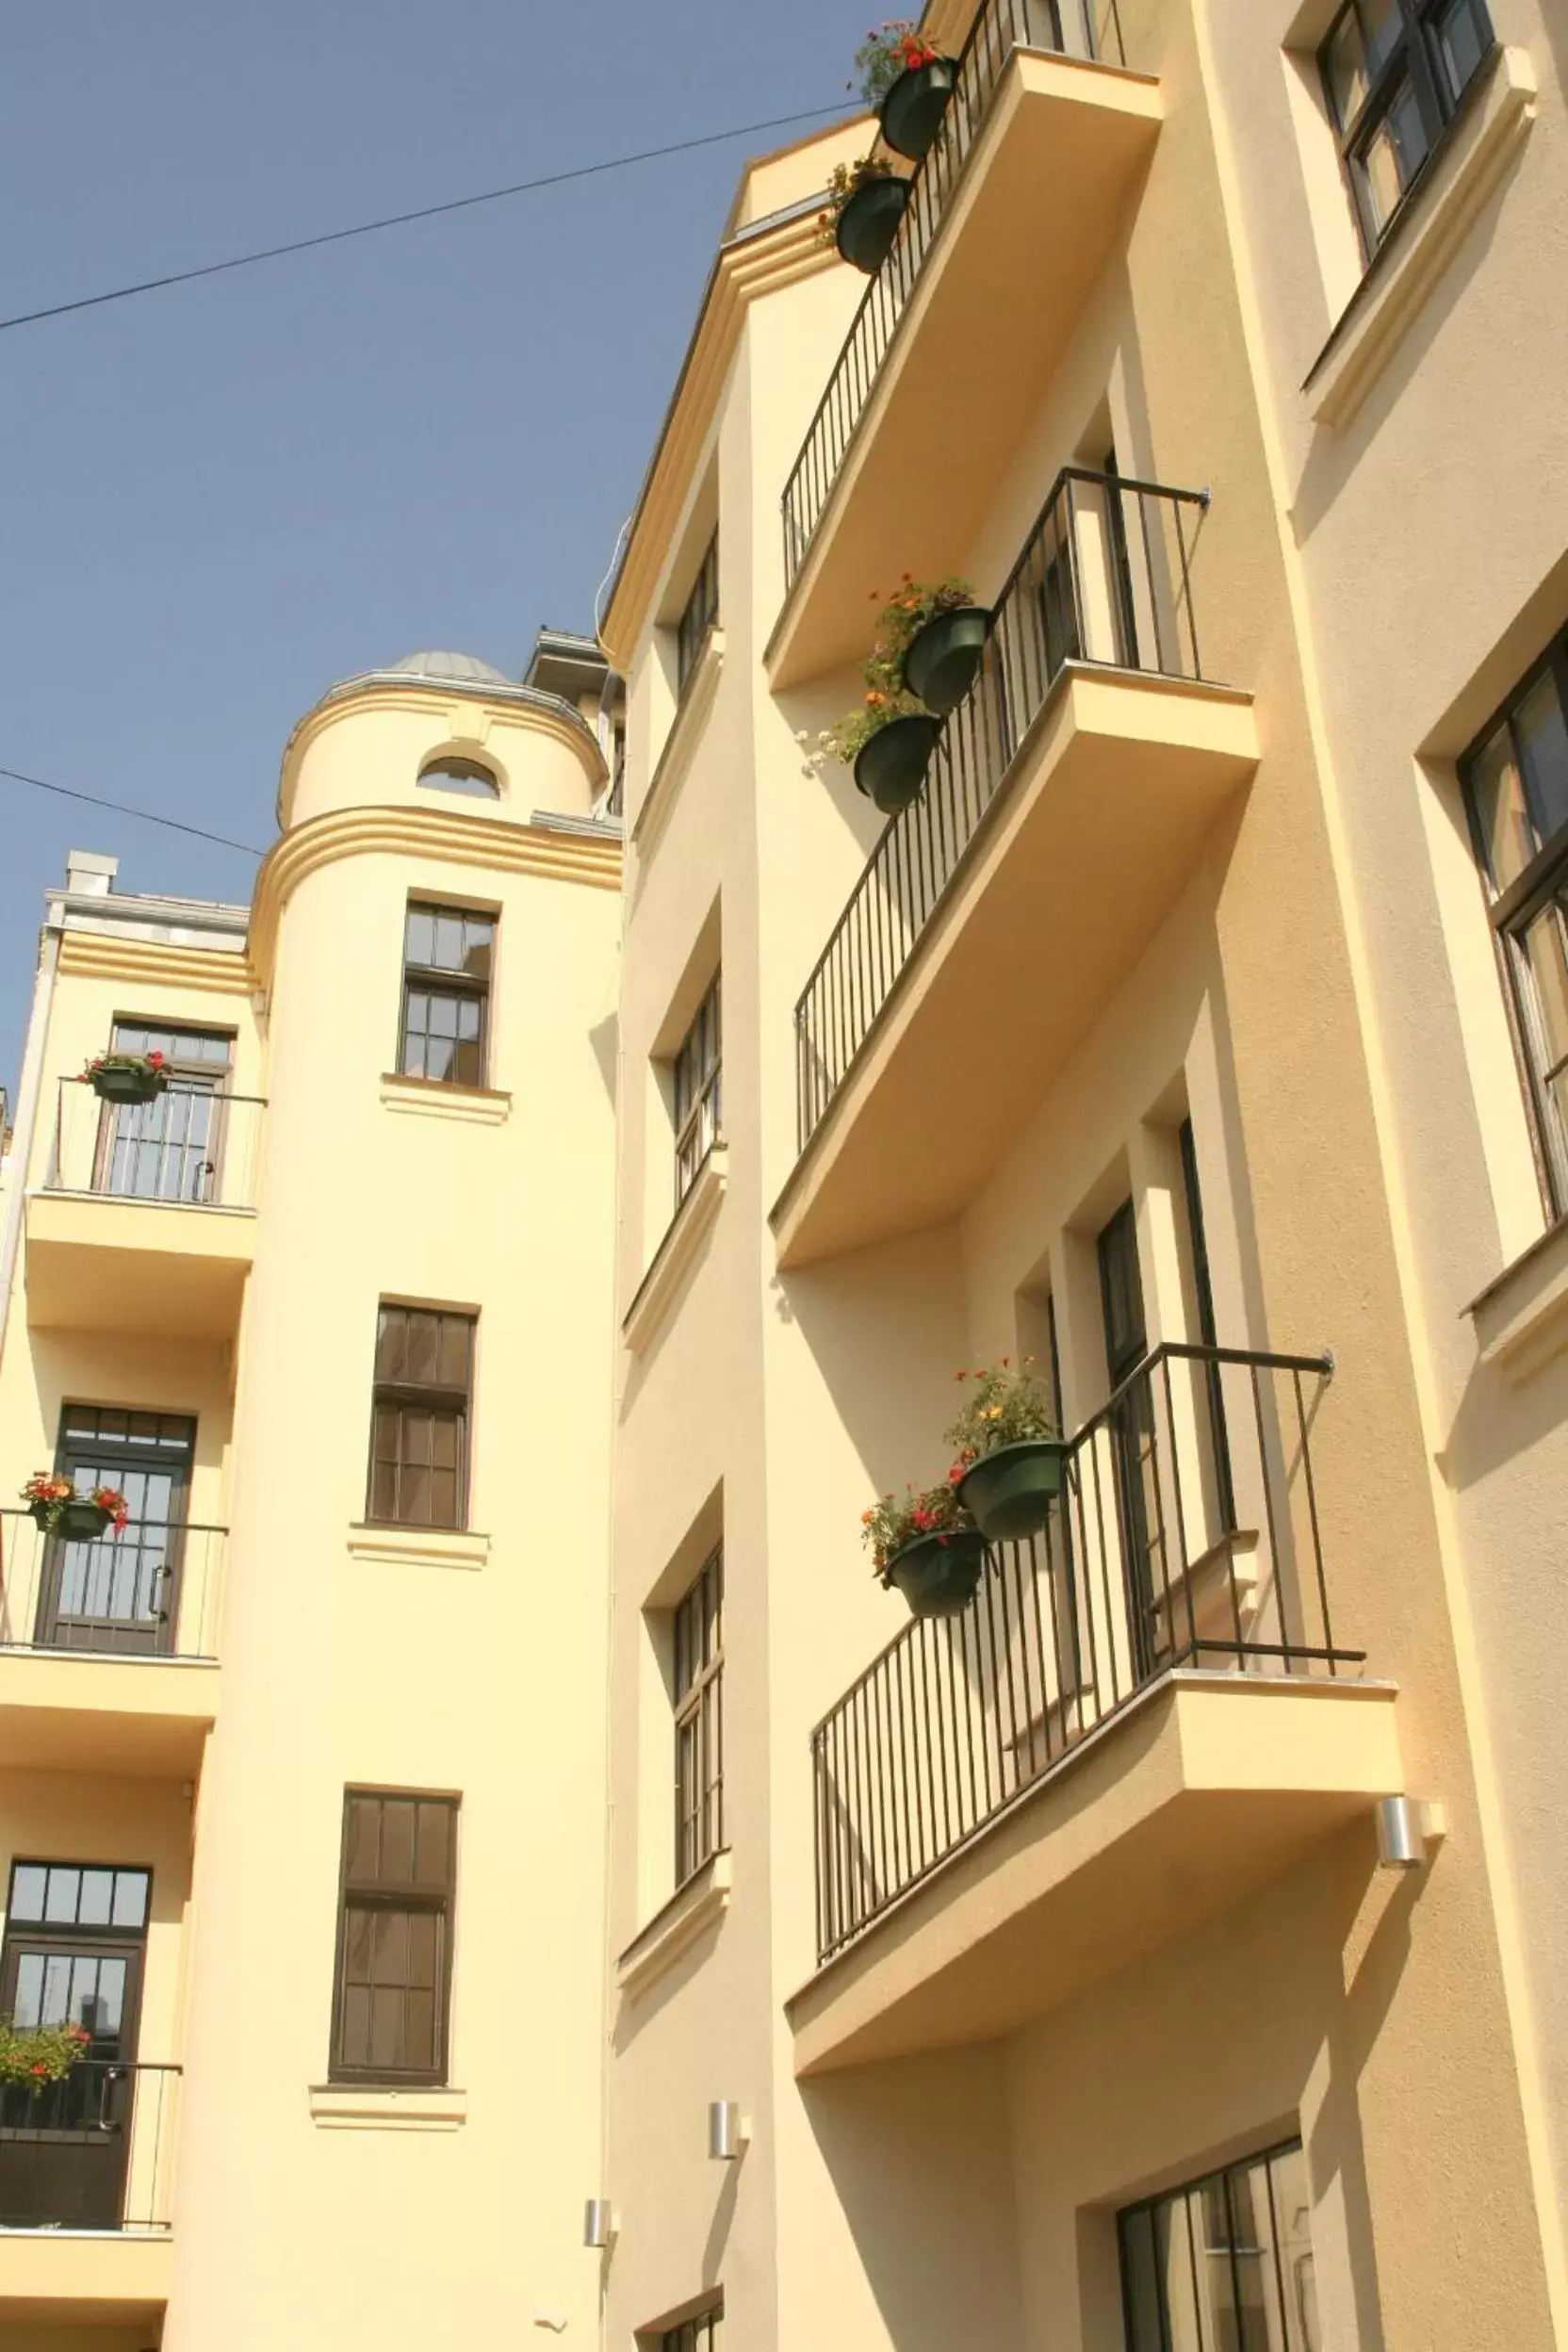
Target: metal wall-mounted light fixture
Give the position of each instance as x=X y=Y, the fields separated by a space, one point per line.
x=1406 y=1827
x=598 y=2221
x=728 y=2129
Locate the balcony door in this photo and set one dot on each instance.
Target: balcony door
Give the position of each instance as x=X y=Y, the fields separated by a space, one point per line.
x=121 y=1592
x=1134 y=1441
x=171 y=1148
x=72 y=1956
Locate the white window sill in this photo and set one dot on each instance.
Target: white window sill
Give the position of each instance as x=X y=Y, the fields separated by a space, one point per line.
x=1481 y=144
x=365 y=2107
x=432 y=1098
x=680 y=744
x=676 y=1254
x=696 y=1906
x=421 y=1547
x=1522 y=1318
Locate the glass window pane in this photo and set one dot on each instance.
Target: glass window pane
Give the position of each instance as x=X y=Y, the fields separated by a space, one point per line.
x=1541 y=734
x=423 y=1356
x=397 y=1851
x=1497 y=791
x=386 y=2027
x=362 y=1847
x=27 y=1884
x=1345 y=59
x=456 y=1334
x=97 y=1894
x=419 y=938
x=1142 y=2290
x=29 y=1989
x=391 y=1949
x=1384 y=29
x=1391 y=157
x=436 y=1822
x=420 y=2029
x=1290 y=2220
x=448 y=944
x=1461 y=44
x=419 y=1971
x=1176 y=2263
x=356 y=2026
x=65 y=1887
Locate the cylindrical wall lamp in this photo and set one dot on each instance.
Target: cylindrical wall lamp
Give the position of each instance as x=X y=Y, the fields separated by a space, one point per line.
x=1405 y=1828
x=598 y=2222
x=728 y=2129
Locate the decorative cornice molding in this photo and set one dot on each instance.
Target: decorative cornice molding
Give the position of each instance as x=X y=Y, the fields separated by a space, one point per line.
x=437 y=833
x=758 y=261
x=518 y=705
x=154 y=964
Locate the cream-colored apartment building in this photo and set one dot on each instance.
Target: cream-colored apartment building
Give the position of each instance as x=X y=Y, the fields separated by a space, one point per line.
x=485 y=1779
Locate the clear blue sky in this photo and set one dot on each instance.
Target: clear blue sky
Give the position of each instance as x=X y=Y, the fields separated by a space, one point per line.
x=221 y=498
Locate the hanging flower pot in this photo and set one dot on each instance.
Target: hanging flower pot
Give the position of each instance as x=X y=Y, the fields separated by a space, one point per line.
x=868 y=221
x=126 y=1077
x=1010 y=1491
x=911 y=113
x=926 y=1544
x=890 y=766
x=59 y=1511
x=1010 y=1457
x=939 y=1574
x=943 y=660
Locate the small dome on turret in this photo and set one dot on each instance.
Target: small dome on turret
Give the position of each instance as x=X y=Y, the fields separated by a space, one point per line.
x=463 y=666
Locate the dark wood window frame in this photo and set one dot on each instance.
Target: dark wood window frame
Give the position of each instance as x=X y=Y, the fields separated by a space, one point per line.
x=698 y=615
x=1514 y=904
x=443 y=1401
x=383 y=1897
x=697 y=2332
x=697 y=1076
x=697 y=1685
x=436 y=980
x=1147 y=2315
x=124 y=1939
x=1414 y=64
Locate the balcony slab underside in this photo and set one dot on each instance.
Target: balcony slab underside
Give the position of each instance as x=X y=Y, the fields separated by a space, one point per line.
x=1036 y=215
x=147 y=1716
x=64 y=2278
x=1085 y=849
x=95 y=1262
x=1202 y=1790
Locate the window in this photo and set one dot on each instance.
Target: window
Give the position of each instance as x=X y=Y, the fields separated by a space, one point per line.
x=699 y=1720
x=419 y=1418
x=171 y=1148
x=700 y=2334
x=74 y=1934
x=698 y=615
x=696 y=1092
x=1395 y=70
x=394 y=1938
x=470 y=776
x=445 y=993
x=1225 y=2261
x=122 y=1596
x=1516 y=785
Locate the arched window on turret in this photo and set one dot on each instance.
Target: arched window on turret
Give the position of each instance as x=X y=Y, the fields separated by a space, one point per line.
x=449 y=773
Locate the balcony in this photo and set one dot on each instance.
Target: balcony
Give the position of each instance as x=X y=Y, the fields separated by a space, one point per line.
x=1143 y=1714
x=146 y=1219
x=86 y=2177
x=108 y=1650
x=1044 y=142
x=1064 y=811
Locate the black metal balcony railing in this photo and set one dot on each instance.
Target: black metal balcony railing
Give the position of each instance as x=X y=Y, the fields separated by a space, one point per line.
x=1077 y=28
x=191 y=1146
x=94 y=2151
x=1105 y=579
x=153 y=1591
x=1186 y=1535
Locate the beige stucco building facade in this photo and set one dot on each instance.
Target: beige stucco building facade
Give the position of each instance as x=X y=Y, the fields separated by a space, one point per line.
x=581 y=1179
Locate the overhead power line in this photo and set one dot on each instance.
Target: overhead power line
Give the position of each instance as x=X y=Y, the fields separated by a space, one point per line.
x=123 y=808
x=423 y=212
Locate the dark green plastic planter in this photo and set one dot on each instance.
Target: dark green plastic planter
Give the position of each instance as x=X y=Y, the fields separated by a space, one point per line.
x=912 y=111
x=942 y=660
x=868 y=222
x=128 y=1086
x=1009 y=1492
x=891 y=768
x=80 y=1522
x=939 y=1574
